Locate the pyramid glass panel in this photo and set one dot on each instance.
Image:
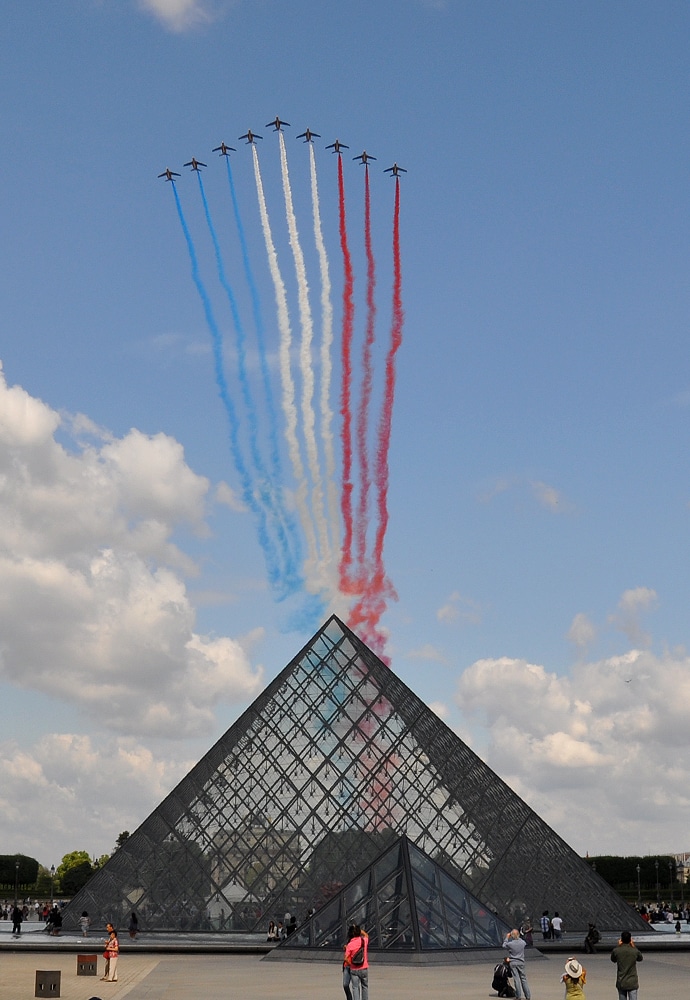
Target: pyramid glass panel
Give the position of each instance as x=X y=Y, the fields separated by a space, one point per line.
x=406 y=902
x=332 y=763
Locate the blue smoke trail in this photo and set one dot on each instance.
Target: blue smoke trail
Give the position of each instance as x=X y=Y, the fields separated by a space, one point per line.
x=247 y=493
x=259 y=324
x=268 y=492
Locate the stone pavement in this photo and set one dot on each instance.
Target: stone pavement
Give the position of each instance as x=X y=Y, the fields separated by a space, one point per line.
x=146 y=976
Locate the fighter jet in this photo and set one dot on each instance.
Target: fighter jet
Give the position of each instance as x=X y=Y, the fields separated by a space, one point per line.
x=276 y=123
x=250 y=136
x=337 y=146
x=395 y=170
x=364 y=157
x=308 y=135
x=168 y=174
x=224 y=150
x=194 y=164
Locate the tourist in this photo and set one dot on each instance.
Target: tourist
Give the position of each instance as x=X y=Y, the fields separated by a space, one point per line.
x=17 y=917
x=557 y=926
x=503 y=979
x=106 y=953
x=133 y=926
x=545 y=925
x=574 y=979
x=272 y=934
x=515 y=946
x=526 y=932
x=357 y=959
x=84 y=923
x=112 y=950
x=626 y=956
x=591 y=938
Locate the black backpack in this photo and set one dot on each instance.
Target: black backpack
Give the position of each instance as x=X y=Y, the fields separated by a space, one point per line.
x=357 y=960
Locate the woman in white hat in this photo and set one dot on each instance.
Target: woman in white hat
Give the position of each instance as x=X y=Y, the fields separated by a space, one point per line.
x=574 y=979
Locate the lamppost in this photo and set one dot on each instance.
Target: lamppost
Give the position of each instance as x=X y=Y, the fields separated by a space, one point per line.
x=16 y=881
x=681 y=873
x=52 y=877
x=639 y=892
x=658 y=897
x=670 y=879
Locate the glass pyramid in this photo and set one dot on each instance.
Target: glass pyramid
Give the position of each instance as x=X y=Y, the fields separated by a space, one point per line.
x=406 y=902
x=334 y=761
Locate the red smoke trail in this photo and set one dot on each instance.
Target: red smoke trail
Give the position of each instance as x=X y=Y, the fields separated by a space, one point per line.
x=346 y=390
x=362 y=521
x=368 y=610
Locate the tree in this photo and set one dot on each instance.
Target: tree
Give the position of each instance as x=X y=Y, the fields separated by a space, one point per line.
x=76 y=877
x=25 y=876
x=120 y=840
x=70 y=861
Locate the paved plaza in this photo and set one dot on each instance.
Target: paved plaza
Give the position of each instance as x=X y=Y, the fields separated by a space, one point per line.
x=146 y=976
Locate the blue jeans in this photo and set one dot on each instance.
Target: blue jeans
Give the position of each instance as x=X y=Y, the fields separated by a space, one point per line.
x=627 y=994
x=359 y=983
x=519 y=977
x=346 y=982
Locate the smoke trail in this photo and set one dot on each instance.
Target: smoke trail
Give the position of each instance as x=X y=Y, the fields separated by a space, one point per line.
x=261 y=341
x=326 y=362
x=306 y=367
x=346 y=389
x=247 y=493
x=289 y=409
x=362 y=521
x=370 y=607
x=266 y=493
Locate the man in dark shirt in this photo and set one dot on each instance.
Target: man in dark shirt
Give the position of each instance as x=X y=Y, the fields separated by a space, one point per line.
x=626 y=956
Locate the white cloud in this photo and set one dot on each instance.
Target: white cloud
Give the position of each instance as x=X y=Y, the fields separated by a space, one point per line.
x=459 y=608
x=181 y=15
x=427 y=652
x=87 y=791
x=631 y=606
x=582 y=632
x=93 y=609
x=601 y=754
x=548 y=496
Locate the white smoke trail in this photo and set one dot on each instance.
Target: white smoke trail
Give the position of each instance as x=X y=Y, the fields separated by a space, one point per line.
x=288 y=384
x=306 y=367
x=326 y=362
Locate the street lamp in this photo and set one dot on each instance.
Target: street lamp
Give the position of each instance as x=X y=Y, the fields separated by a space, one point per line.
x=670 y=879
x=16 y=881
x=52 y=876
x=681 y=873
x=639 y=892
x=658 y=897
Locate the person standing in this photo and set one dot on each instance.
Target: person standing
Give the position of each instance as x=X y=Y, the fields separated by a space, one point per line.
x=84 y=922
x=515 y=946
x=113 y=949
x=133 y=926
x=574 y=979
x=626 y=956
x=545 y=925
x=357 y=958
x=17 y=917
x=557 y=926
x=106 y=953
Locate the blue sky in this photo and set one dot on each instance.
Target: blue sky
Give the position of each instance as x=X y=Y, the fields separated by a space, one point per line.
x=539 y=495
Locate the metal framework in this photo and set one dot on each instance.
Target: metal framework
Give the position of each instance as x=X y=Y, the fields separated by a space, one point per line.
x=407 y=902
x=334 y=761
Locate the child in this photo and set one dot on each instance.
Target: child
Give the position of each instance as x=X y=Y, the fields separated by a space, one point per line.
x=574 y=979
x=502 y=981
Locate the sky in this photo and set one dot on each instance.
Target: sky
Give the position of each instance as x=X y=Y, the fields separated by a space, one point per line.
x=537 y=490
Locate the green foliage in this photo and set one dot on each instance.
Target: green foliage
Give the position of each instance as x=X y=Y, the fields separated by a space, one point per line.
x=76 y=877
x=25 y=876
x=121 y=839
x=71 y=860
